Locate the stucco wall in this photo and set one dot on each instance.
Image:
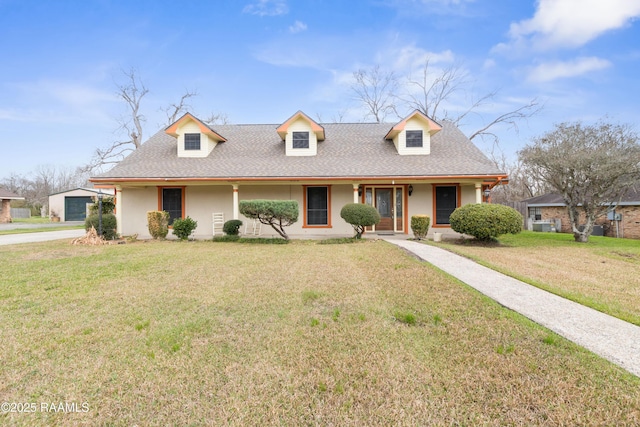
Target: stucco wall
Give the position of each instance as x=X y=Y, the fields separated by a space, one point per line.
x=203 y=200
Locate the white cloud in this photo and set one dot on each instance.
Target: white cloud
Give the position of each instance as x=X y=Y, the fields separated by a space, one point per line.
x=297 y=27
x=556 y=70
x=267 y=8
x=411 y=57
x=570 y=23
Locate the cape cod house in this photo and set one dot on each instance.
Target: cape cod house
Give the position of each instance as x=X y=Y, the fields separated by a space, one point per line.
x=415 y=166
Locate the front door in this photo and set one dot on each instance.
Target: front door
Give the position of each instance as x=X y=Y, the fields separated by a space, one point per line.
x=385 y=209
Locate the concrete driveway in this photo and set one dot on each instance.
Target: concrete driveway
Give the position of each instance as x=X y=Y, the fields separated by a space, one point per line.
x=12 y=239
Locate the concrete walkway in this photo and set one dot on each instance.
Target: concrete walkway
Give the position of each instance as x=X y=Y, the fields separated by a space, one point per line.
x=614 y=339
x=42 y=236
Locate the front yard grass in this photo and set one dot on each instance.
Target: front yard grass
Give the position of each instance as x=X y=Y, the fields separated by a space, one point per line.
x=601 y=274
x=204 y=333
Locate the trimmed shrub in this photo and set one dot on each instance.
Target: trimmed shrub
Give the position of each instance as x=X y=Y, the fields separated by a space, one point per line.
x=360 y=216
x=420 y=226
x=183 y=227
x=109 y=225
x=232 y=227
x=276 y=213
x=158 y=223
x=486 y=221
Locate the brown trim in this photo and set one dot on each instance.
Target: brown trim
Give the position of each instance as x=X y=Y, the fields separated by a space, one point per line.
x=403 y=179
x=458 y=201
x=406 y=209
x=304 y=207
x=183 y=201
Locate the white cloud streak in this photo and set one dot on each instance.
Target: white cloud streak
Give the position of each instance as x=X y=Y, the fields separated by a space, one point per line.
x=297 y=27
x=267 y=8
x=562 y=69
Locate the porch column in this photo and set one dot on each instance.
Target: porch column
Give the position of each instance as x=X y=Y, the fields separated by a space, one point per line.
x=236 y=208
x=118 y=210
x=478 y=192
x=355 y=193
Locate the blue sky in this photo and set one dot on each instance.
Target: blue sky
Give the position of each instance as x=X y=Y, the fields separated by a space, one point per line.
x=259 y=61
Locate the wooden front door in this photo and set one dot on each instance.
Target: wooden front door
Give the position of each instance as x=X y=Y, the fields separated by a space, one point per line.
x=384 y=204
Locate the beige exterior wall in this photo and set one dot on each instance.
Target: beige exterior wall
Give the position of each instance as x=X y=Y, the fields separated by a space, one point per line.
x=301 y=125
x=201 y=201
x=400 y=141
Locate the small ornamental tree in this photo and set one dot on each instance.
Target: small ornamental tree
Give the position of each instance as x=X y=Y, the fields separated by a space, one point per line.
x=486 y=221
x=360 y=216
x=420 y=226
x=183 y=227
x=276 y=213
x=158 y=223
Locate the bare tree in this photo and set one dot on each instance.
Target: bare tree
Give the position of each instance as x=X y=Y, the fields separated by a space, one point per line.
x=175 y=110
x=592 y=167
x=132 y=92
x=523 y=183
x=377 y=91
x=43 y=181
x=434 y=89
x=217 y=119
x=430 y=93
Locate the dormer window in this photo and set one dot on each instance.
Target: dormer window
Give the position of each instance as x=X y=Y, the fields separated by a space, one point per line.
x=191 y=141
x=193 y=137
x=300 y=135
x=414 y=138
x=300 y=139
x=412 y=135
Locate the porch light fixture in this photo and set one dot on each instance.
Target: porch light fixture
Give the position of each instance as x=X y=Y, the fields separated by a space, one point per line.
x=100 y=196
x=410 y=189
x=487 y=193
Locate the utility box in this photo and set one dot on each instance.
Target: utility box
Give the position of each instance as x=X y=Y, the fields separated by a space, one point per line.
x=545 y=227
x=613 y=216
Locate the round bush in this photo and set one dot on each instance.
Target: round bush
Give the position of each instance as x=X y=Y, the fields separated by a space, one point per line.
x=360 y=216
x=232 y=227
x=183 y=227
x=109 y=225
x=486 y=221
x=420 y=226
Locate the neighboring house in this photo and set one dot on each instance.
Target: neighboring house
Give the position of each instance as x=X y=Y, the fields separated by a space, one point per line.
x=5 y=204
x=415 y=166
x=71 y=205
x=622 y=220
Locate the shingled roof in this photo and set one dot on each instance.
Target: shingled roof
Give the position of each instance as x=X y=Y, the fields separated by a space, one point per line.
x=350 y=150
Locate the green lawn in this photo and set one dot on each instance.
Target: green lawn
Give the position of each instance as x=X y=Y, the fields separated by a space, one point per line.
x=203 y=333
x=602 y=274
